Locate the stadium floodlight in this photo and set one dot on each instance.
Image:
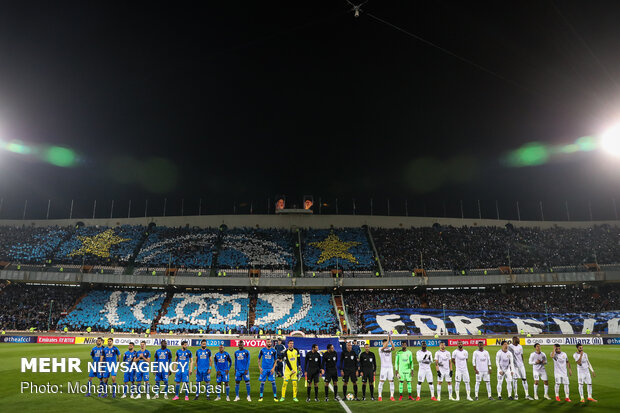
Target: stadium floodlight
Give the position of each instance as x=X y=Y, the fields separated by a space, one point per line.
x=610 y=140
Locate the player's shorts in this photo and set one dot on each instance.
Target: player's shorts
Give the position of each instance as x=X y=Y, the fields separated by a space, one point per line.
x=507 y=375
x=266 y=375
x=161 y=376
x=561 y=380
x=540 y=376
x=368 y=377
x=109 y=371
x=181 y=377
x=584 y=378
x=313 y=376
x=221 y=377
x=290 y=374
x=130 y=376
x=405 y=375
x=462 y=375
x=483 y=376
x=203 y=375
x=331 y=376
x=386 y=374
x=142 y=376
x=349 y=375
x=519 y=372
x=239 y=376
x=445 y=376
x=425 y=375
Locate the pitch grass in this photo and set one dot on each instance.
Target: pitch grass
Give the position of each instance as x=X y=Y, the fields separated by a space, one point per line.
x=605 y=359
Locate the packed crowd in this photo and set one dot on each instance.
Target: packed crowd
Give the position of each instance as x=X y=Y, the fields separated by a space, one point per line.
x=345 y=248
x=178 y=247
x=30 y=245
x=463 y=248
x=525 y=299
x=23 y=307
x=257 y=248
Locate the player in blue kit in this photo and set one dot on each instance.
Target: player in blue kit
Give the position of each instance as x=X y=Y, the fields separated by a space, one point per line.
x=111 y=358
x=203 y=367
x=163 y=357
x=242 y=370
x=184 y=370
x=96 y=353
x=267 y=365
x=129 y=357
x=223 y=363
x=143 y=358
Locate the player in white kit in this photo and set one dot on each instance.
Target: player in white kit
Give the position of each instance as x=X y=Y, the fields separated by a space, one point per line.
x=517 y=353
x=443 y=365
x=425 y=358
x=505 y=369
x=538 y=360
x=560 y=366
x=583 y=373
x=481 y=360
x=459 y=358
x=387 y=368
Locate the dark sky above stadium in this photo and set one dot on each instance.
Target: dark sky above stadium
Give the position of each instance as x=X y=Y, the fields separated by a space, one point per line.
x=234 y=102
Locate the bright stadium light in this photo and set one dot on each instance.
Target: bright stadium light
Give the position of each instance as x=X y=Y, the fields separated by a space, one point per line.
x=610 y=140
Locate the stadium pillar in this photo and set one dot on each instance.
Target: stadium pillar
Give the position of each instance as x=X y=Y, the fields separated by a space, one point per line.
x=47 y=214
x=479 y=211
x=542 y=214
x=94 y=208
x=462 y=214
x=25 y=206
x=518 y=212
x=112 y=209
x=71 y=210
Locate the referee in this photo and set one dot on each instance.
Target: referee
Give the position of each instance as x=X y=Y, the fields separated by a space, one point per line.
x=330 y=371
x=349 y=367
x=368 y=367
x=312 y=371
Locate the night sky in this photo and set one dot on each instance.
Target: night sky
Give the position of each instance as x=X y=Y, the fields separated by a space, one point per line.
x=235 y=102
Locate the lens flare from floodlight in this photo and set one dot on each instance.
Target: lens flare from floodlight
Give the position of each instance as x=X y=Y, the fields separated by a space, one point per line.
x=17 y=147
x=610 y=140
x=530 y=154
x=59 y=156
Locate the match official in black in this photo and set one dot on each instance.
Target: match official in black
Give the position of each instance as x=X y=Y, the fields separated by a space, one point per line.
x=349 y=368
x=312 y=371
x=330 y=371
x=368 y=367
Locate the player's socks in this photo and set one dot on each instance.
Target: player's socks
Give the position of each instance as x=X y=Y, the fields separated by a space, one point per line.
x=274 y=389
x=566 y=390
x=308 y=392
x=449 y=389
x=380 y=388
x=327 y=392
x=372 y=391
x=557 y=390
x=176 y=390
x=476 y=388
x=525 y=387
x=364 y=390
x=438 y=390
x=457 y=387
x=418 y=389
x=284 y=386
x=535 y=389
x=335 y=390
x=509 y=388
x=295 y=389
x=488 y=388
x=344 y=391
x=514 y=387
x=589 y=391
x=432 y=389
x=316 y=392
x=391 y=389
x=468 y=390
x=580 y=387
x=197 y=388
x=409 y=388
x=237 y=389
x=355 y=390
x=227 y=390
x=400 y=387
x=499 y=388
x=247 y=388
x=262 y=389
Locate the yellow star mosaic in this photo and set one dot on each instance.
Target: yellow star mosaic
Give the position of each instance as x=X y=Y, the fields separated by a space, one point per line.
x=334 y=247
x=99 y=244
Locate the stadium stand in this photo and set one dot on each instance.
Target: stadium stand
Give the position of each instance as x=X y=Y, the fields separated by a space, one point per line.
x=178 y=247
x=345 y=248
x=25 y=306
x=311 y=313
x=257 y=248
x=118 y=309
x=100 y=245
x=464 y=248
x=211 y=312
x=30 y=245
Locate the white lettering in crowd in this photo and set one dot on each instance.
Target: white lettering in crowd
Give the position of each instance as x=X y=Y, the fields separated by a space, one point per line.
x=466 y=325
x=528 y=325
x=389 y=322
x=613 y=326
x=425 y=330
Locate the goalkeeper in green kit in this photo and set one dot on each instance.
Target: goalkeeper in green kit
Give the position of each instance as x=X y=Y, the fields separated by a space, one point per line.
x=404 y=369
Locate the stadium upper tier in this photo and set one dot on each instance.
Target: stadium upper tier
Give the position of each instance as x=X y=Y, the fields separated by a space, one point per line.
x=385 y=245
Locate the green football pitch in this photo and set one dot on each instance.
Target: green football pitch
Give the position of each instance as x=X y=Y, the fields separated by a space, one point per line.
x=605 y=359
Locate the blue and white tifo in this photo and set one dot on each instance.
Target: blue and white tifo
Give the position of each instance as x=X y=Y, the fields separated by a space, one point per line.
x=424 y=321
